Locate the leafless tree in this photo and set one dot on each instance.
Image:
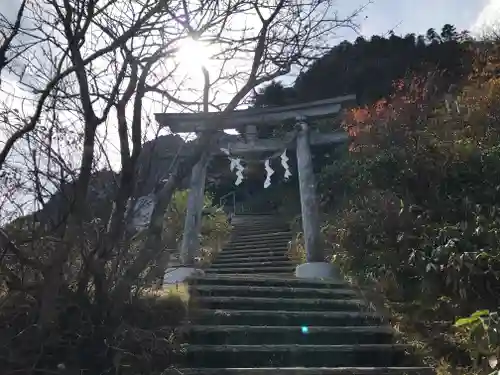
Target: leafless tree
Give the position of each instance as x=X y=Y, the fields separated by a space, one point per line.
x=92 y=67
x=9 y=30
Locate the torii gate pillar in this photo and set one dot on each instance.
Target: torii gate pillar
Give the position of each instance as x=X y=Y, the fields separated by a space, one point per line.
x=192 y=226
x=316 y=266
x=192 y=223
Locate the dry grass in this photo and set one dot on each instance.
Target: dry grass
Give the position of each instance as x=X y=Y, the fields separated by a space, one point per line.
x=180 y=290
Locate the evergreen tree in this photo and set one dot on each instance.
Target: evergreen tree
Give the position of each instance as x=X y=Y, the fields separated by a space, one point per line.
x=368 y=67
x=449 y=33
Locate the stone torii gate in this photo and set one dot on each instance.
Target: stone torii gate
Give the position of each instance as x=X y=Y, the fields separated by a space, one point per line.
x=301 y=140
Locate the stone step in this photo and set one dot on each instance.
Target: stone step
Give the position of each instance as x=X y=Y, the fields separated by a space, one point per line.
x=251 y=257
x=239 y=256
x=250 y=224
x=255 y=335
x=245 y=258
x=266 y=291
x=284 y=244
x=262 y=214
x=254 y=266
x=252 y=253
x=255 y=247
x=249 y=215
x=259 y=221
x=258 y=242
x=268 y=281
x=251 y=270
x=239 y=263
x=285 y=318
x=279 y=303
x=259 y=224
x=257 y=218
x=267 y=237
x=267 y=232
x=297 y=355
x=306 y=371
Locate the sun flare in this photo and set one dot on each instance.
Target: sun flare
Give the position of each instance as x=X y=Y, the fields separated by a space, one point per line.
x=193 y=55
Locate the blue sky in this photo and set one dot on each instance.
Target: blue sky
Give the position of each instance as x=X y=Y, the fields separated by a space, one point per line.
x=418 y=16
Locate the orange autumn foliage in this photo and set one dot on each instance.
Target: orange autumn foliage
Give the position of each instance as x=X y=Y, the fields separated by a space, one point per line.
x=406 y=107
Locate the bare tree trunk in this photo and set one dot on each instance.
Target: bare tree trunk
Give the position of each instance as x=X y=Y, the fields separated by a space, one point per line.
x=153 y=246
x=78 y=210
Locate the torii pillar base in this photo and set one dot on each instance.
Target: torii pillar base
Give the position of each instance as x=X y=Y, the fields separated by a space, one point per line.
x=318 y=270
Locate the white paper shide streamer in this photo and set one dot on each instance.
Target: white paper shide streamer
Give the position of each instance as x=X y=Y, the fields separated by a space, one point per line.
x=235 y=164
x=239 y=171
x=284 y=163
x=269 y=173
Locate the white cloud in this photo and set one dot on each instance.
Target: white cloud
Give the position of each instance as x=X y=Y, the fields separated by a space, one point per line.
x=488 y=17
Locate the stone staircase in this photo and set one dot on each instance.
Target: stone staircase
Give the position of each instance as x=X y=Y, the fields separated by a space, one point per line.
x=249 y=315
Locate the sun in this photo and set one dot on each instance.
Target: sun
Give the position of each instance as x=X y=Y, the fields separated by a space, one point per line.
x=193 y=55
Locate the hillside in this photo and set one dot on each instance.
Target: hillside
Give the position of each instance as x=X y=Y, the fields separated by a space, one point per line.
x=411 y=209
x=369 y=68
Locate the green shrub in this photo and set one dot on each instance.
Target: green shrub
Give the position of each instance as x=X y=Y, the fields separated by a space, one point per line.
x=215 y=227
x=413 y=206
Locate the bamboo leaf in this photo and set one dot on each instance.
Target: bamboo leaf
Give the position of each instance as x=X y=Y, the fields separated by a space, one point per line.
x=480 y=313
x=464 y=321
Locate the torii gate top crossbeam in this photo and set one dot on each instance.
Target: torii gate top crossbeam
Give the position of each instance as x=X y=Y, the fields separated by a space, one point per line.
x=197 y=122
